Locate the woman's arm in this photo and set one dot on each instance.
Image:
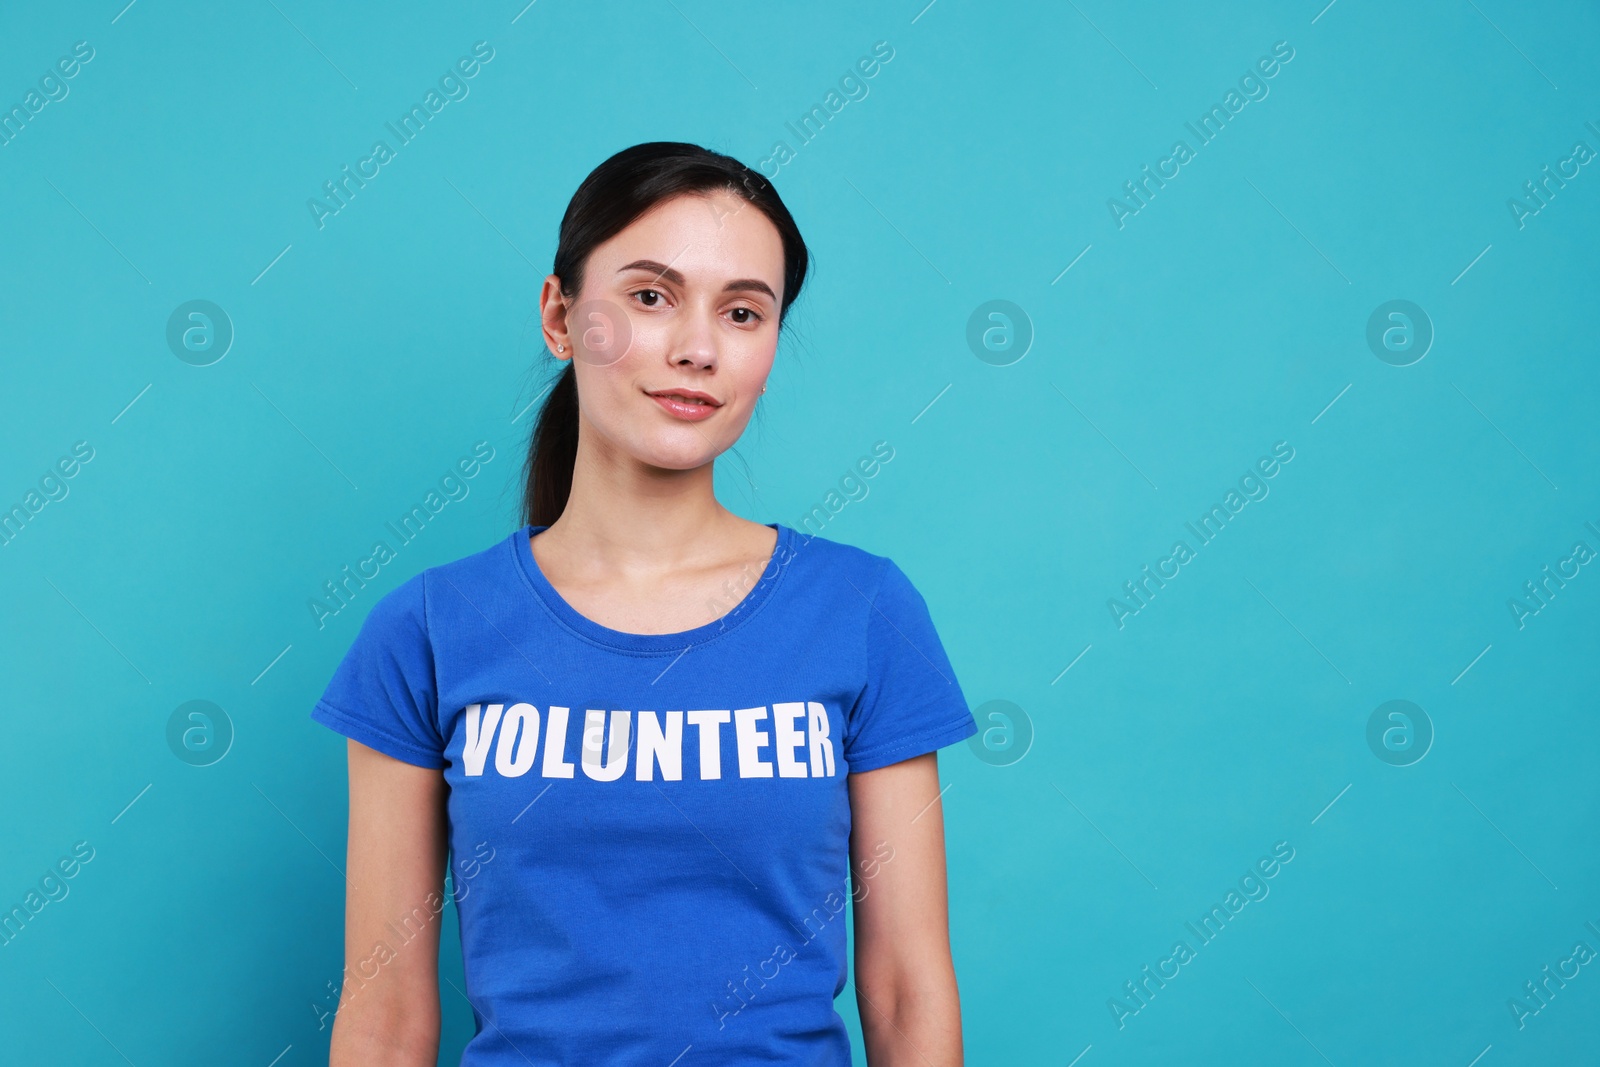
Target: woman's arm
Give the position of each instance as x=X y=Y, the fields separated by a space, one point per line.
x=389 y=1003
x=905 y=980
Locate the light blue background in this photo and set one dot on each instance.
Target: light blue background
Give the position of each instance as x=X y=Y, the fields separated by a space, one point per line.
x=1227 y=315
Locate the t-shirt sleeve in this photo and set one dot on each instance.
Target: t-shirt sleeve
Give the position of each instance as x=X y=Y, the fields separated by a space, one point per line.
x=911 y=703
x=383 y=693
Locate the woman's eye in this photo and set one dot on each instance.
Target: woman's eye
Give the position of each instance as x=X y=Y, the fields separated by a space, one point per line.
x=641 y=294
x=748 y=312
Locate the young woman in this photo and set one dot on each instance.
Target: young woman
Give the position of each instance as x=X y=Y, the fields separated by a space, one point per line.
x=663 y=745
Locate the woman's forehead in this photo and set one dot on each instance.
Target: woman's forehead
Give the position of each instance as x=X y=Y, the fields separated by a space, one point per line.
x=705 y=238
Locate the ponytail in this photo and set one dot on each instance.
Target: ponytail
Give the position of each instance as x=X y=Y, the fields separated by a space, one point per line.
x=554 y=452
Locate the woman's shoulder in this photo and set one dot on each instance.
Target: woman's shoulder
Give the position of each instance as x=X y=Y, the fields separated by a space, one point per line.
x=490 y=566
x=837 y=560
x=494 y=554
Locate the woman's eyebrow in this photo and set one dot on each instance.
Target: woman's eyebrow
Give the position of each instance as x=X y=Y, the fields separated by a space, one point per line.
x=661 y=270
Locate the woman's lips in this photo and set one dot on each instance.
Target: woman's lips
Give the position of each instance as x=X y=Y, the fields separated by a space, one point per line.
x=688 y=410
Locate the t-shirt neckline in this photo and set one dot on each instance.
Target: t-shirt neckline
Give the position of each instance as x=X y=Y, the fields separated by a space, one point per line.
x=581 y=625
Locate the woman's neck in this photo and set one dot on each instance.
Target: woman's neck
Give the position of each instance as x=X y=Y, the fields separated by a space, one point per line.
x=623 y=516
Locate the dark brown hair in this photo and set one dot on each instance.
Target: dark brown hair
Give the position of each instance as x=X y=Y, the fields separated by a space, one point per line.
x=614 y=194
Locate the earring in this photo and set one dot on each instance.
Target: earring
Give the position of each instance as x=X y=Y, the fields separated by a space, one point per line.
x=561 y=348
x=763 y=388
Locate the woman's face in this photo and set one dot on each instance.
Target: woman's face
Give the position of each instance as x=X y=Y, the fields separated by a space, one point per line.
x=683 y=301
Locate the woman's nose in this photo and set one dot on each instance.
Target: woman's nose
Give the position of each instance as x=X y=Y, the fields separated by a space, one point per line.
x=695 y=343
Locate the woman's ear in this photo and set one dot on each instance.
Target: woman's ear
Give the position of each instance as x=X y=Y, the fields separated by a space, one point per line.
x=553 y=311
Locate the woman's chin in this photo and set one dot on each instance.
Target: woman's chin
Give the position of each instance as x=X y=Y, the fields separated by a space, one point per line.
x=677 y=455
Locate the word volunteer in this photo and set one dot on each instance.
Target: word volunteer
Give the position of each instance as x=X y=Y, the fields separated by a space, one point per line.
x=796 y=746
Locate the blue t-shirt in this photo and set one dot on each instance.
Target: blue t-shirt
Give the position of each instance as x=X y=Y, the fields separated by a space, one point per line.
x=649 y=832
